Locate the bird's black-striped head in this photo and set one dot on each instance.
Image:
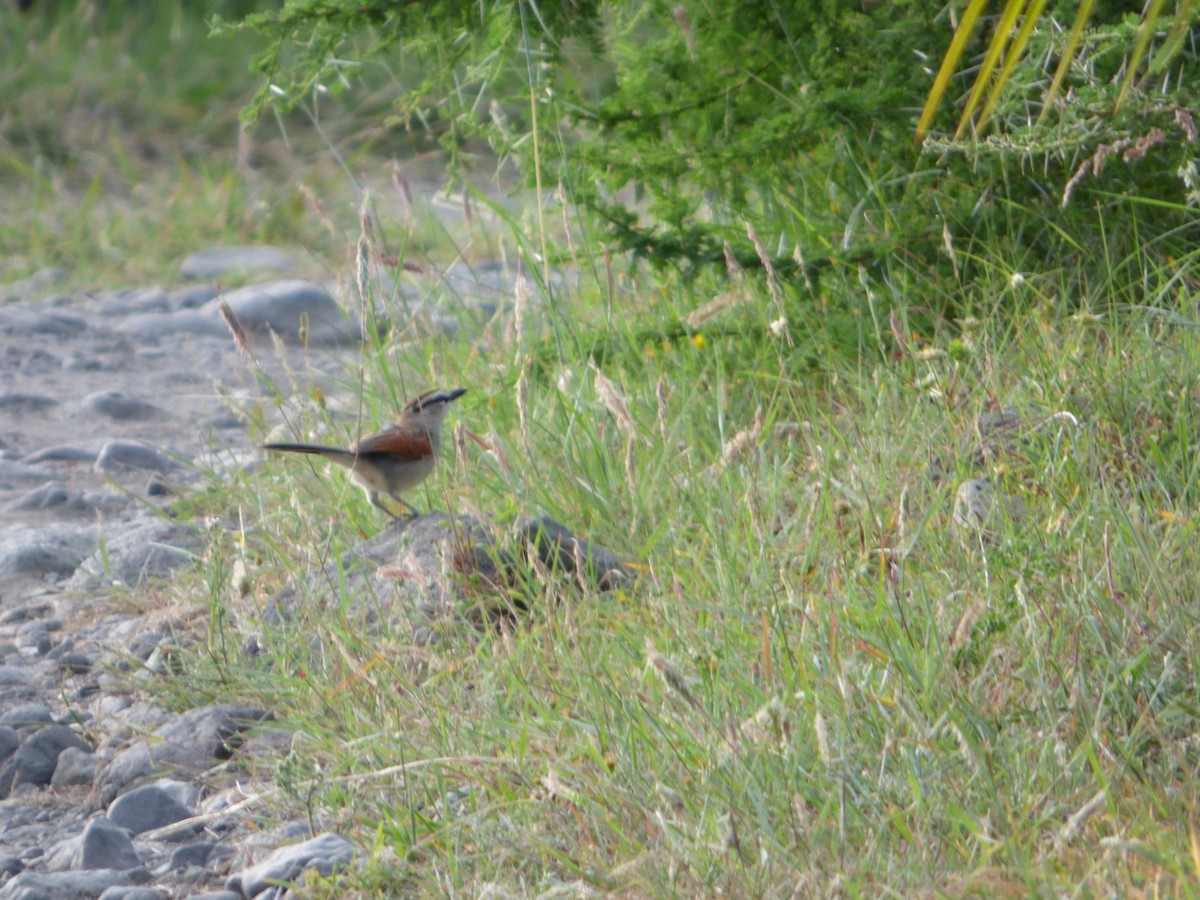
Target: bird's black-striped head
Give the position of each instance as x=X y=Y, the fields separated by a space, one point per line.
x=430 y=400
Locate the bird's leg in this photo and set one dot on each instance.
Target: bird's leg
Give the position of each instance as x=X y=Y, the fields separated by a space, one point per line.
x=412 y=509
x=376 y=500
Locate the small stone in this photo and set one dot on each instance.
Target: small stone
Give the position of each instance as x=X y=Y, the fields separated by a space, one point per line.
x=27 y=714
x=137 y=550
x=36 y=759
x=190 y=743
x=11 y=676
x=193 y=297
x=14 y=402
x=124 y=892
x=40 y=320
x=74 y=767
x=558 y=548
x=58 y=549
x=10 y=866
x=104 y=845
x=86 y=885
x=82 y=452
x=9 y=742
x=325 y=853
x=132 y=455
x=122 y=406
x=191 y=855
x=77 y=663
x=147 y=807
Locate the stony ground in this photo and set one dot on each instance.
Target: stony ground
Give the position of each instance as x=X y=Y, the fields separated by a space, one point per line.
x=111 y=406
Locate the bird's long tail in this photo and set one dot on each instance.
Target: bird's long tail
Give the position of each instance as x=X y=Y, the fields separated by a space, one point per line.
x=333 y=454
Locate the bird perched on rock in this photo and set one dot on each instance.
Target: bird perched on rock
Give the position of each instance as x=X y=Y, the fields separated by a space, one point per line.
x=395 y=459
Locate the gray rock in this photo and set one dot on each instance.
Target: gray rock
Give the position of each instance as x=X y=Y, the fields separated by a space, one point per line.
x=188 y=744
x=27 y=714
x=135 y=551
x=162 y=326
x=44 y=548
x=87 y=885
x=104 y=845
x=11 y=676
x=193 y=297
x=219 y=262
x=13 y=472
x=82 y=451
x=35 y=760
x=122 y=406
x=25 y=403
x=58 y=496
x=124 y=892
x=10 y=866
x=284 y=307
x=122 y=303
x=191 y=855
x=132 y=455
x=149 y=806
x=25 y=613
x=33 y=638
x=9 y=742
x=28 y=321
x=325 y=853
x=218 y=895
x=74 y=767
x=77 y=663
x=558 y=548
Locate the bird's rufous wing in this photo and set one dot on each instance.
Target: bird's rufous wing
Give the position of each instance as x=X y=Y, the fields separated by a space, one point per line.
x=395 y=442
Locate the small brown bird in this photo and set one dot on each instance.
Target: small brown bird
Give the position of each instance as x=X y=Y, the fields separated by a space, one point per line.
x=395 y=459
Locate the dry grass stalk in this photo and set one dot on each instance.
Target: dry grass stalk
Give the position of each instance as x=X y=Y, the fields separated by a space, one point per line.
x=400 y=183
x=671 y=676
x=241 y=338
x=821 y=730
x=660 y=395
x=1067 y=834
x=966 y=624
x=523 y=407
x=315 y=203
x=740 y=444
x=612 y=399
x=715 y=307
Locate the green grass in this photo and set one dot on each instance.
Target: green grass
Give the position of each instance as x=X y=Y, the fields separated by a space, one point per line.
x=815 y=681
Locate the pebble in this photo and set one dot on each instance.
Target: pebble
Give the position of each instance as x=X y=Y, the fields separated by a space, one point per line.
x=135 y=551
x=116 y=455
x=25 y=714
x=188 y=745
x=122 y=406
x=300 y=312
x=103 y=845
x=150 y=806
x=35 y=760
x=85 y=885
x=325 y=853
x=75 y=766
x=45 y=548
x=26 y=403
